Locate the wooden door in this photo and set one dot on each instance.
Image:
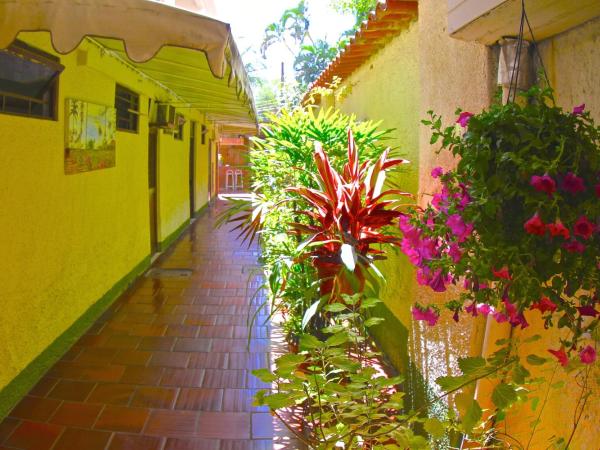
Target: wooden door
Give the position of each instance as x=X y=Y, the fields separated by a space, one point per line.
x=192 y=169
x=153 y=188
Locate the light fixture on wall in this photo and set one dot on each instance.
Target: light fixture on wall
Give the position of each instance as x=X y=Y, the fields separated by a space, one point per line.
x=514 y=68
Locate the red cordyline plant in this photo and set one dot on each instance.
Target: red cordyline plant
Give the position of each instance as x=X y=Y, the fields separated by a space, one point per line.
x=347 y=218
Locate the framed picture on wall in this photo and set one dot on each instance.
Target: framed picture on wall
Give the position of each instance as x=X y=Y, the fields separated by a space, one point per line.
x=90 y=136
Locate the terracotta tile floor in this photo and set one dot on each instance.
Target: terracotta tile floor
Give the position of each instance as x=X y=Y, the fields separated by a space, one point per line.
x=167 y=367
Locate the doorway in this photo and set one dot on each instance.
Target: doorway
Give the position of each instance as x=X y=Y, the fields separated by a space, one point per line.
x=210 y=170
x=192 y=169
x=152 y=188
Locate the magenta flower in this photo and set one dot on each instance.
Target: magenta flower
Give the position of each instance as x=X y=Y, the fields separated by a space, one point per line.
x=587 y=310
x=407 y=248
x=440 y=201
x=572 y=183
x=428 y=315
x=455 y=252
x=464 y=118
x=500 y=317
x=578 y=110
x=438 y=281
x=558 y=229
x=587 y=355
x=437 y=172
x=545 y=183
x=423 y=276
x=574 y=247
x=544 y=305
x=458 y=227
x=535 y=226
x=583 y=227
x=485 y=309
x=561 y=355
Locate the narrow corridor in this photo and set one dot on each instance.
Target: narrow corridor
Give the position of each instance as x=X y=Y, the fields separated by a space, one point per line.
x=167 y=367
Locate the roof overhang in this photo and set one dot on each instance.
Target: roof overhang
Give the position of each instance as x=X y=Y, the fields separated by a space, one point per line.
x=388 y=19
x=193 y=56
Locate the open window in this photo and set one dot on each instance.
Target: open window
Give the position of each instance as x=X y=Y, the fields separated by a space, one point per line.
x=127 y=104
x=29 y=81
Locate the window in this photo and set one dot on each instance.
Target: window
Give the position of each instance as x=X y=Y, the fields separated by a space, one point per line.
x=28 y=81
x=178 y=132
x=127 y=104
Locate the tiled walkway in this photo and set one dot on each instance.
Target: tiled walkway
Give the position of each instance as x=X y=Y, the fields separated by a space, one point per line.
x=167 y=367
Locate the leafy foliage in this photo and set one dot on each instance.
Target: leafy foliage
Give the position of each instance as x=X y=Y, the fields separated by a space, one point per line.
x=519 y=216
x=342 y=397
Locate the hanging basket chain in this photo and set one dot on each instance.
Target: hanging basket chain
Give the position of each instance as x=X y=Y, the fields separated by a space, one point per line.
x=514 y=77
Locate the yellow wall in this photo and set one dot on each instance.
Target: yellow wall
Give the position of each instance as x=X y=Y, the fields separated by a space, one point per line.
x=455 y=73
x=67 y=239
x=383 y=88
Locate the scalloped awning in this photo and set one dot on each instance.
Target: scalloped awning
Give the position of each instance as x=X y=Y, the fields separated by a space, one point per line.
x=193 y=55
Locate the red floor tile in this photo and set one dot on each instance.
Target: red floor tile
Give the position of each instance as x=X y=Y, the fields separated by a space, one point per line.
x=112 y=394
x=154 y=397
x=81 y=415
x=135 y=442
x=35 y=408
x=34 y=436
x=7 y=426
x=224 y=425
x=192 y=444
x=200 y=399
x=120 y=418
x=74 y=438
x=172 y=423
x=71 y=390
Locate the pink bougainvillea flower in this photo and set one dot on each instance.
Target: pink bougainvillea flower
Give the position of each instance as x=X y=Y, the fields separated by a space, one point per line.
x=423 y=276
x=438 y=281
x=558 y=229
x=583 y=227
x=574 y=247
x=535 y=225
x=500 y=317
x=502 y=273
x=587 y=355
x=544 y=305
x=437 y=172
x=597 y=188
x=545 y=183
x=463 y=118
x=408 y=249
x=587 y=310
x=578 y=110
x=441 y=200
x=458 y=227
x=572 y=183
x=514 y=316
x=428 y=315
x=561 y=355
x=455 y=252
x=485 y=309
x=463 y=198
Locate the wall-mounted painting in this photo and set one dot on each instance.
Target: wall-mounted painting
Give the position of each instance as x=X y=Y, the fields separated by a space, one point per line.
x=90 y=136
